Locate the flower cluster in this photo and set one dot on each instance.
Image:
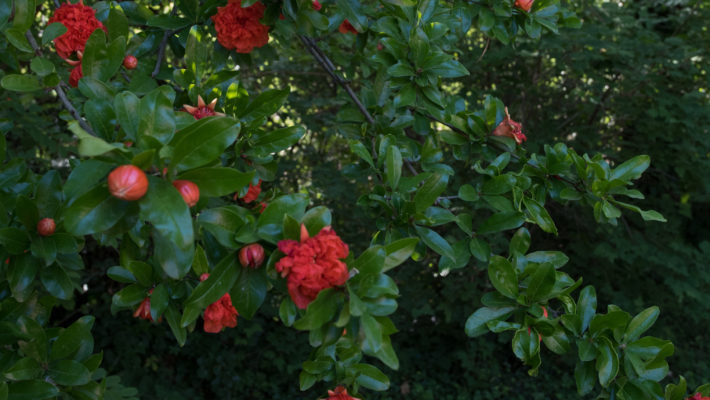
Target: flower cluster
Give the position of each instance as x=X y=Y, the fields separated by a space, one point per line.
x=80 y=21
x=340 y=393
x=252 y=194
x=239 y=28
x=220 y=314
x=511 y=129
x=313 y=264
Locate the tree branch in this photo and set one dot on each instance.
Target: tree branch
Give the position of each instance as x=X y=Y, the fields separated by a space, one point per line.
x=60 y=92
x=328 y=66
x=161 y=52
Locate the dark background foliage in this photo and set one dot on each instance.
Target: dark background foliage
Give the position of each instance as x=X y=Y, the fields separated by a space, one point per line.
x=633 y=80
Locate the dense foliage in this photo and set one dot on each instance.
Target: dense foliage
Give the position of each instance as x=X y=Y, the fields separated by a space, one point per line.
x=395 y=177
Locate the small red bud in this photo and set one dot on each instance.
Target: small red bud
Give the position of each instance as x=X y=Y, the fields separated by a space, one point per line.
x=46 y=226
x=251 y=255
x=524 y=5
x=189 y=191
x=380 y=47
x=130 y=62
x=316 y=5
x=544 y=311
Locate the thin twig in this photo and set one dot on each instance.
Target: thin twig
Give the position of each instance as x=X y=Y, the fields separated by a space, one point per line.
x=485 y=49
x=60 y=92
x=410 y=167
x=328 y=66
x=161 y=52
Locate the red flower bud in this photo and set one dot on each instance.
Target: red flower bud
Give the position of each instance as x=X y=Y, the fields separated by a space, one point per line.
x=380 y=47
x=130 y=62
x=347 y=27
x=46 y=226
x=189 y=191
x=316 y=5
x=524 y=5
x=698 y=396
x=74 y=76
x=127 y=182
x=251 y=255
x=544 y=311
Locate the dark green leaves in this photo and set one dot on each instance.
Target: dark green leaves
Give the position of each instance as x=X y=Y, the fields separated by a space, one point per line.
x=476 y=322
x=607 y=361
x=203 y=142
x=503 y=276
x=249 y=291
x=94 y=212
x=319 y=311
x=393 y=163
x=640 y=324
x=218 y=181
x=156 y=117
x=432 y=188
x=20 y=83
x=102 y=60
x=631 y=169
x=501 y=222
x=221 y=279
x=435 y=241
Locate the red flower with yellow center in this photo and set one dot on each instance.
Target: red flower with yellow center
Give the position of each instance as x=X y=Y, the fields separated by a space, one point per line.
x=313 y=264
x=80 y=21
x=239 y=28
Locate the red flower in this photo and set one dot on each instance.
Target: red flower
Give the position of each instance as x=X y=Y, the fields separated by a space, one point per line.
x=251 y=255
x=220 y=314
x=511 y=129
x=313 y=264
x=524 y=5
x=239 y=28
x=80 y=21
x=339 y=393
x=347 y=27
x=202 y=110
x=316 y=5
x=143 y=310
x=75 y=75
x=698 y=396
x=252 y=193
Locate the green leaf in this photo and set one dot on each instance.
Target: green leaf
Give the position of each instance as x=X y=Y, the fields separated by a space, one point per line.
x=435 y=242
x=203 y=142
x=173 y=318
x=539 y=214
x=219 y=181
x=57 y=282
x=502 y=221
x=102 y=60
x=21 y=274
x=89 y=146
x=69 y=373
x=94 y=212
x=558 y=342
x=360 y=149
x=53 y=31
x=74 y=341
x=587 y=306
x=165 y=209
x=142 y=271
x=584 y=377
x=607 y=361
x=520 y=242
x=476 y=324
x=129 y=296
x=480 y=249
x=41 y=67
x=223 y=223
x=398 y=252
x=120 y=274
x=316 y=219
x=468 y=193
x=503 y=276
x=631 y=169
x=393 y=163
x=270 y=224
x=430 y=190
x=249 y=291
x=265 y=143
x=288 y=311
x=117 y=24
x=221 y=279
x=373 y=331
x=541 y=283
x=556 y=258
x=319 y=311
x=371 y=377
x=640 y=324
x=371 y=261
x=159 y=301
x=24 y=369
x=127 y=108
x=156 y=116
x=14 y=240
x=20 y=83
x=31 y=390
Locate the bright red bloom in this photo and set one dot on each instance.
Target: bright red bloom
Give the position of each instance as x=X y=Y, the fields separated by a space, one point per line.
x=220 y=314
x=698 y=396
x=339 y=393
x=252 y=194
x=511 y=129
x=143 y=310
x=313 y=264
x=202 y=110
x=80 y=21
x=75 y=75
x=347 y=27
x=316 y=5
x=524 y=5
x=46 y=226
x=239 y=28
